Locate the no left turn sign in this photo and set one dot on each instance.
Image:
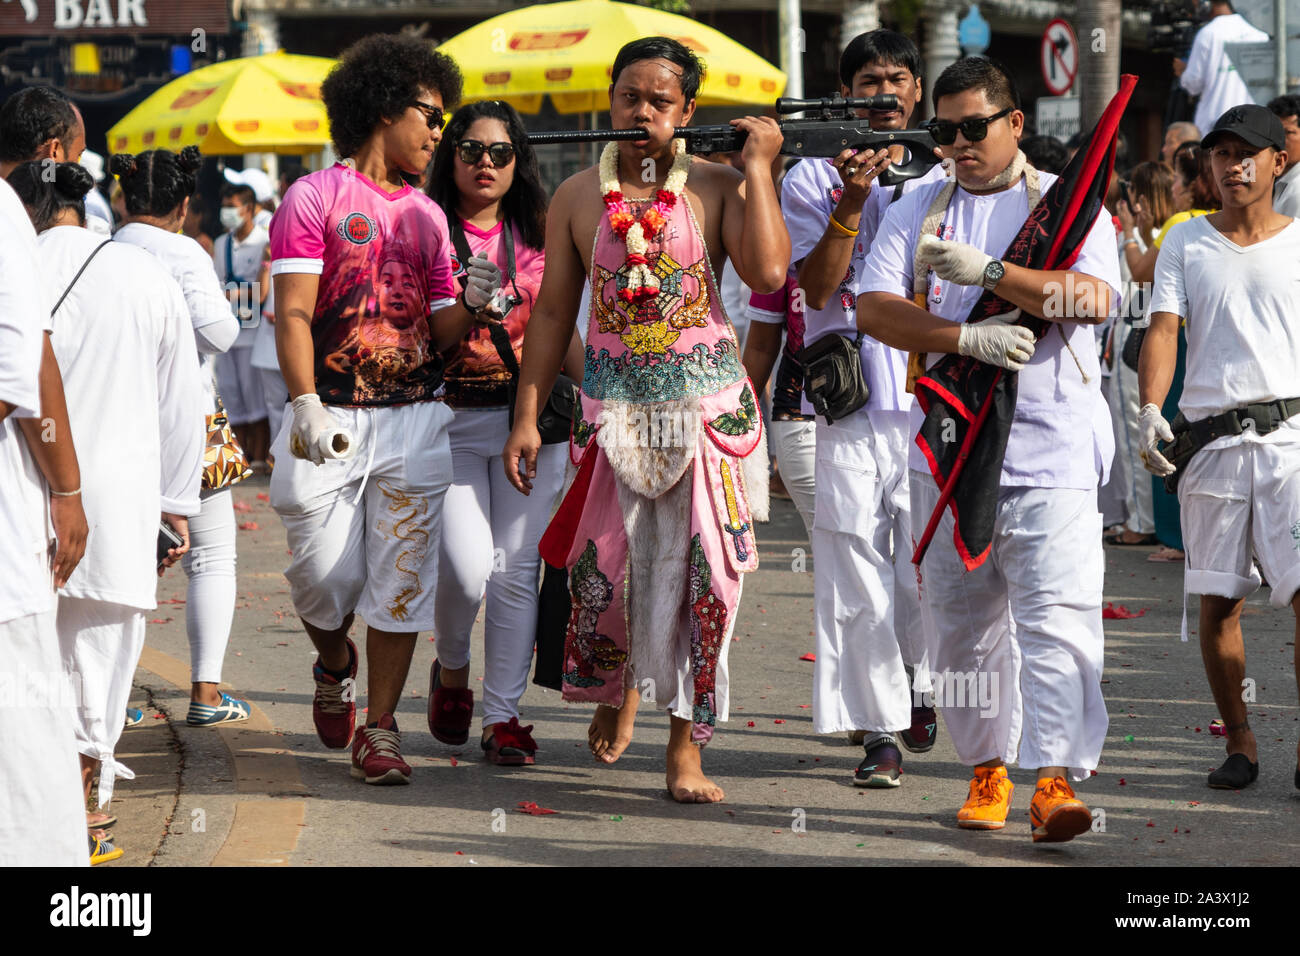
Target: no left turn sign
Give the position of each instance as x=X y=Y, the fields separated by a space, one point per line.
x=1060 y=57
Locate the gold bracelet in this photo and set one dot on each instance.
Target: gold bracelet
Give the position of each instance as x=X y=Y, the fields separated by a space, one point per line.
x=843 y=229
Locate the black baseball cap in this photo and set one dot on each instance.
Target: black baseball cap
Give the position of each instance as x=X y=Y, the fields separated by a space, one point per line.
x=1255 y=124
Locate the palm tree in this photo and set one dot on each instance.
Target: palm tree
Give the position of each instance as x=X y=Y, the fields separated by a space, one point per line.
x=1099 y=47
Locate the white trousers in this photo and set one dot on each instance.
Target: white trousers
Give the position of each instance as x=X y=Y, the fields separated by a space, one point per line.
x=210 y=595
x=489 y=549
x=241 y=386
x=42 y=816
x=1237 y=504
x=1122 y=397
x=1019 y=654
x=795 y=446
x=364 y=532
x=275 y=396
x=868 y=620
x=100 y=644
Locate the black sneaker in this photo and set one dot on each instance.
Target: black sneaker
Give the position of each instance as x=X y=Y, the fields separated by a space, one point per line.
x=1237 y=772
x=920 y=737
x=881 y=766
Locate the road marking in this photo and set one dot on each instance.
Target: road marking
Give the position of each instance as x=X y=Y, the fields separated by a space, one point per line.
x=264 y=832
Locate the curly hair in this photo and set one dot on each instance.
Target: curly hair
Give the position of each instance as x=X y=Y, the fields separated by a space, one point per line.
x=377 y=78
x=524 y=204
x=46 y=197
x=156 y=182
x=31 y=117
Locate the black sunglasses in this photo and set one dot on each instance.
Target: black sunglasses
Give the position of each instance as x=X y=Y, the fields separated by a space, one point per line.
x=945 y=132
x=471 y=151
x=435 y=117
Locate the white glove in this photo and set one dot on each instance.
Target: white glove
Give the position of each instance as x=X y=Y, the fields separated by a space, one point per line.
x=953 y=261
x=484 y=281
x=1152 y=428
x=997 y=341
x=316 y=436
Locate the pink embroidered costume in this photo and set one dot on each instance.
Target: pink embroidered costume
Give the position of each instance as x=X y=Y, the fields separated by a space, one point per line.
x=657 y=528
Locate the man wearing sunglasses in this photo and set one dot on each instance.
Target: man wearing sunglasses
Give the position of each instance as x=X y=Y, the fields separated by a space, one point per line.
x=1022 y=631
x=866 y=609
x=366 y=304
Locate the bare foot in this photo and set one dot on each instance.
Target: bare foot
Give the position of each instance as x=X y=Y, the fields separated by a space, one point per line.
x=611 y=728
x=686 y=780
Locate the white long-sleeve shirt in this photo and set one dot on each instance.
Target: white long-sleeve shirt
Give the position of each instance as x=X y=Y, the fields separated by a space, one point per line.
x=1211 y=75
x=26 y=585
x=215 y=326
x=126 y=349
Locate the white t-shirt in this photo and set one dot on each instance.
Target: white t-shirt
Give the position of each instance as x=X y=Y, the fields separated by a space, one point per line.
x=26 y=586
x=215 y=326
x=1211 y=75
x=1286 y=192
x=246 y=257
x=1061 y=434
x=131 y=375
x=1242 y=306
x=809 y=194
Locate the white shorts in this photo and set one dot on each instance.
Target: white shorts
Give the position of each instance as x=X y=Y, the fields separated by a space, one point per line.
x=1238 y=501
x=364 y=533
x=240 y=387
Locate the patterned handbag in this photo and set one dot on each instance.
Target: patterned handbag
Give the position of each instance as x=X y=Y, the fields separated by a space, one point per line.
x=224 y=462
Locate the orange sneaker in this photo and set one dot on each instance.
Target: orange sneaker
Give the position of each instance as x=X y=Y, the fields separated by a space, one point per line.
x=1056 y=814
x=990 y=798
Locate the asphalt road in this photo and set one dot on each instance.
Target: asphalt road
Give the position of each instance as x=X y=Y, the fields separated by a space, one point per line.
x=268 y=793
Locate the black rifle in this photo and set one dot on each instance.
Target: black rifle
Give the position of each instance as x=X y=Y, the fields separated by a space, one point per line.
x=835 y=128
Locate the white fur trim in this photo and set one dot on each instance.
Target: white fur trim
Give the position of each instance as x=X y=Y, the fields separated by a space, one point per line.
x=756 y=471
x=649 y=447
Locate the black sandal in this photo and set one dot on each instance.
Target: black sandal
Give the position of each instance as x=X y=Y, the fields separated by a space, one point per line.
x=1237 y=772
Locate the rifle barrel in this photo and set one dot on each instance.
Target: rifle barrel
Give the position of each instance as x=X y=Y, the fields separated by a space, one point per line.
x=586 y=136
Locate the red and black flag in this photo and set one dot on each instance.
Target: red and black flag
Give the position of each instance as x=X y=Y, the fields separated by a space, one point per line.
x=980 y=399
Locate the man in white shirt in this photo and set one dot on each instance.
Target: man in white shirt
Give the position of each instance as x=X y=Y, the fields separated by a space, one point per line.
x=1019 y=638
x=240 y=257
x=1231 y=278
x=868 y=619
x=1209 y=73
x=42 y=818
x=1286 y=191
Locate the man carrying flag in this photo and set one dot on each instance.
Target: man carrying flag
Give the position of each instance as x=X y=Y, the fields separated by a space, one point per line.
x=1016 y=599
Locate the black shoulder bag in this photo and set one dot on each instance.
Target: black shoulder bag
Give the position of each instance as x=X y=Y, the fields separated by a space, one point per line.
x=833 y=381
x=555 y=418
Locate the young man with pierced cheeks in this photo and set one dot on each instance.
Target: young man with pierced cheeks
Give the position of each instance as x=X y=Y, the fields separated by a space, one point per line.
x=1024 y=628
x=657 y=530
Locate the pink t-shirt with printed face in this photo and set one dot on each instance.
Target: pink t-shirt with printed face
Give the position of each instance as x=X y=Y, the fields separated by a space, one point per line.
x=385 y=263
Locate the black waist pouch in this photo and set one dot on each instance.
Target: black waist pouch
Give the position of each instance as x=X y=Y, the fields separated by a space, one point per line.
x=833 y=379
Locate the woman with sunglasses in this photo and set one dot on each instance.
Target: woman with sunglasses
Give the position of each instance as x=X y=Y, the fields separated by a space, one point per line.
x=485 y=178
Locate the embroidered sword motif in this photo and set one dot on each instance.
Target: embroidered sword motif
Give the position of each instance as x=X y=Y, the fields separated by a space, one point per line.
x=734 y=526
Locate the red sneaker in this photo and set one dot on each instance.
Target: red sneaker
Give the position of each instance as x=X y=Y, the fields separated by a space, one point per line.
x=377 y=754
x=333 y=707
x=451 y=709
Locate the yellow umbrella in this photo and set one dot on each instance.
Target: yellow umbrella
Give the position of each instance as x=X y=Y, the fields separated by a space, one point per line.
x=565 y=50
x=267 y=103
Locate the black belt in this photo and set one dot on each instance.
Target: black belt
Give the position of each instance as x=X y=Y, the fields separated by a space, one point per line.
x=1266 y=416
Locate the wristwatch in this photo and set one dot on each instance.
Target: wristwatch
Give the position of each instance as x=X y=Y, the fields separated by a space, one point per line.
x=993 y=273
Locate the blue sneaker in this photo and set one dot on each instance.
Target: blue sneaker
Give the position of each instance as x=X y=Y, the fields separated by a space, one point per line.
x=134 y=718
x=229 y=711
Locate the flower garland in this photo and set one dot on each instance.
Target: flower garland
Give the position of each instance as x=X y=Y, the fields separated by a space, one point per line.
x=642 y=283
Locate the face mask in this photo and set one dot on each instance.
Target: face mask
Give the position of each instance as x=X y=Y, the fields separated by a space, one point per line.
x=231 y=218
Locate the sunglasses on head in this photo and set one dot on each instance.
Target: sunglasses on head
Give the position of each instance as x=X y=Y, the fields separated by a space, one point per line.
x=435 y=117
x=471 y=151
x=945 y=132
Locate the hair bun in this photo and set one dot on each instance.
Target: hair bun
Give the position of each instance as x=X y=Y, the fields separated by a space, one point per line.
x=72 y=180
x=122 y=164
x=190 y=159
